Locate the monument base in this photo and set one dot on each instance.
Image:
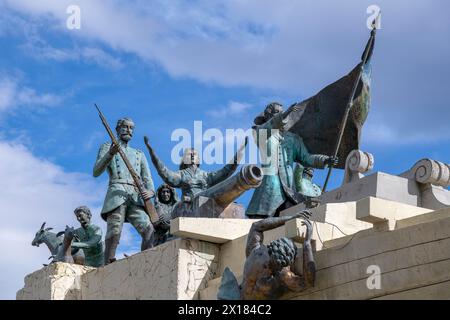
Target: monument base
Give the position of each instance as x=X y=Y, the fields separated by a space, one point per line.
x=377 y=244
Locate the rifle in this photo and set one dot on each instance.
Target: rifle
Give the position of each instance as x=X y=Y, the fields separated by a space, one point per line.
x=148 y=205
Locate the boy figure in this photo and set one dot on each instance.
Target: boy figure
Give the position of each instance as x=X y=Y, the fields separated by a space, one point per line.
x=88 y=238
x=166 y=198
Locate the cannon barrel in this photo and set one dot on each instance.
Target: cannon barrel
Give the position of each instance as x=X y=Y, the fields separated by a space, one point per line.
x=226 y=192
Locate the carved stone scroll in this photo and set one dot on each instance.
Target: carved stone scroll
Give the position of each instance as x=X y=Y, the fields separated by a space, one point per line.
x=357 y=163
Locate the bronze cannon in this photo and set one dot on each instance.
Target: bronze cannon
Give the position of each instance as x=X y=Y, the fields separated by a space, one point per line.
x=218 y=201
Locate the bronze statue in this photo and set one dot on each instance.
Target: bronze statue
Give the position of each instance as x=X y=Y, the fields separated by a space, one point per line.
x=273 y=270
x=280 y=150
x=123 y=202
x=195 y=182
x=165 y=200
x=54 y=242
x=88 y=238
x=65 y=252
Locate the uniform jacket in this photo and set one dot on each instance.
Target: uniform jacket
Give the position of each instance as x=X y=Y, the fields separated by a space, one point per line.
x=121 y=185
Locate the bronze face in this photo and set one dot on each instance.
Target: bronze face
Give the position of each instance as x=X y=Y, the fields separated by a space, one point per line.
x=125 y=130
x=83 y=218
x=165 y=195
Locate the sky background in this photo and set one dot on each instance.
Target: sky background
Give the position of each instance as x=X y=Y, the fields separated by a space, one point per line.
x=167 y=64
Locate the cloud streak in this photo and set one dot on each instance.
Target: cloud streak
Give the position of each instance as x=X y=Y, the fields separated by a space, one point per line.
x=286 y=46
x=13 y=95
x=232 y=109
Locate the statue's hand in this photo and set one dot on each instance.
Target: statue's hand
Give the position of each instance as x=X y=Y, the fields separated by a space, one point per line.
x=163 y=223
x=148 y=194
x=149 y=147
x=332 y=161
x=305 y=214
x=113 y=149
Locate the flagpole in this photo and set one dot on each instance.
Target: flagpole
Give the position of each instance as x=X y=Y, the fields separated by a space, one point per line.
x=350 y=102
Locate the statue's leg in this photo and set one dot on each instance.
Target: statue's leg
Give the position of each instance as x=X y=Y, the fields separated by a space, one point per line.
x=140 y=220
x=114 y=221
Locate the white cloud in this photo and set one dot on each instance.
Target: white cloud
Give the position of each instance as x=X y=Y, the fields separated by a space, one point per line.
x=101 y=58
x=295 y=47
x=13 y=95
x=92 y=55
x=33 y=191
x=233 y=109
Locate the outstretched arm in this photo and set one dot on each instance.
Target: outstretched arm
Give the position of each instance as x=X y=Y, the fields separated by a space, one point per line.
x=309 y=265
x=318 y=161
x=298 y=282
x=170 y=177
x=256 y=235
x=224 y=173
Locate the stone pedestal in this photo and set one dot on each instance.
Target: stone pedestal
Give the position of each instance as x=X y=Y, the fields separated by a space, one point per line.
x=388 y=222
x=175 y=270
x=58 y=281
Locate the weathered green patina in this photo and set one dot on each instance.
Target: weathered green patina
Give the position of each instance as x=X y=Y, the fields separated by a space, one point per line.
x=88 y=238
x=279 y=150
x=121 y=186
x=190 y=178
x=303 y=182
x=123 y=202
x=165 y=200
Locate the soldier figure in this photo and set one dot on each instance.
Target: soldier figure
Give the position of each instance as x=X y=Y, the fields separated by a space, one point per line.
x=280 y=150
x=123 y=202
x=165 y=200
x=88 y=238
x=190 y=178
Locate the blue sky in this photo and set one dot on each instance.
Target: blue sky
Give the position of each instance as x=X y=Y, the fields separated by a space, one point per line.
x=168 y=63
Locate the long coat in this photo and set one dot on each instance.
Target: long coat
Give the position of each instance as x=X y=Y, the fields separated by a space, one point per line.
x=279 y=152
x=121 y=185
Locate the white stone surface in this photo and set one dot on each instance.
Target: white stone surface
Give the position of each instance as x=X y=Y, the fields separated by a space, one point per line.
x=414 y=260
x=357 y=163
x=385 y=214
x=389 y=187
x=428 y=171
x=58 y=281
x=174 y=270
x=213 y=230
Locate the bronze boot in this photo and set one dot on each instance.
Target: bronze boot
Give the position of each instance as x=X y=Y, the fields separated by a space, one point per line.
x=110 y=249
x=148 y=237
